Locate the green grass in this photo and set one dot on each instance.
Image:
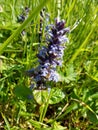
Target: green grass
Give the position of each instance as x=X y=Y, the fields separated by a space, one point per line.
x=73 y=102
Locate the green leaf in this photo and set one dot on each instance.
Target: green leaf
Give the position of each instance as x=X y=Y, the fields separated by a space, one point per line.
x=41 y=96
x=92 y=117
x=70 y=74
x=22 y=92
x=95 y=96
x=57 y=96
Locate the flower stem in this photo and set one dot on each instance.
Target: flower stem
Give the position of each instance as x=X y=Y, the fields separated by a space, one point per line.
x=45 y=107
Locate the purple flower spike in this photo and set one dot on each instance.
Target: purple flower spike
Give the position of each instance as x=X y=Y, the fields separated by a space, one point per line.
x=51 y=55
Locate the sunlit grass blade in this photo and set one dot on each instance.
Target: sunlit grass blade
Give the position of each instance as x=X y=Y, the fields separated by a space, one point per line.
x=37 y=124
x=6 y=121
x=81 y=47
x=44 y=108
x=68 y=110
x=25 y=23
x=86 y=106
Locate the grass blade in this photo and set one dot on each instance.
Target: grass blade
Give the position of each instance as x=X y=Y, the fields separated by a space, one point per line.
x=25 y=23
x=6 y=121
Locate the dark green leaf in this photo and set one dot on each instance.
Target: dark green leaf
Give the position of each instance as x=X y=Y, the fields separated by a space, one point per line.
x=22 y=92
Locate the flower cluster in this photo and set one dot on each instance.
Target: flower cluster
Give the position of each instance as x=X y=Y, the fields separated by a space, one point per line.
x=51 y=55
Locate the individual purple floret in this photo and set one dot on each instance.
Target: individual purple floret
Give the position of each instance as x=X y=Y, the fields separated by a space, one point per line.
x=51 y=55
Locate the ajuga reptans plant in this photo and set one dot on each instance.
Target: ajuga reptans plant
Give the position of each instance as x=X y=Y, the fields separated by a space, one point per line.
x=50 y=56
